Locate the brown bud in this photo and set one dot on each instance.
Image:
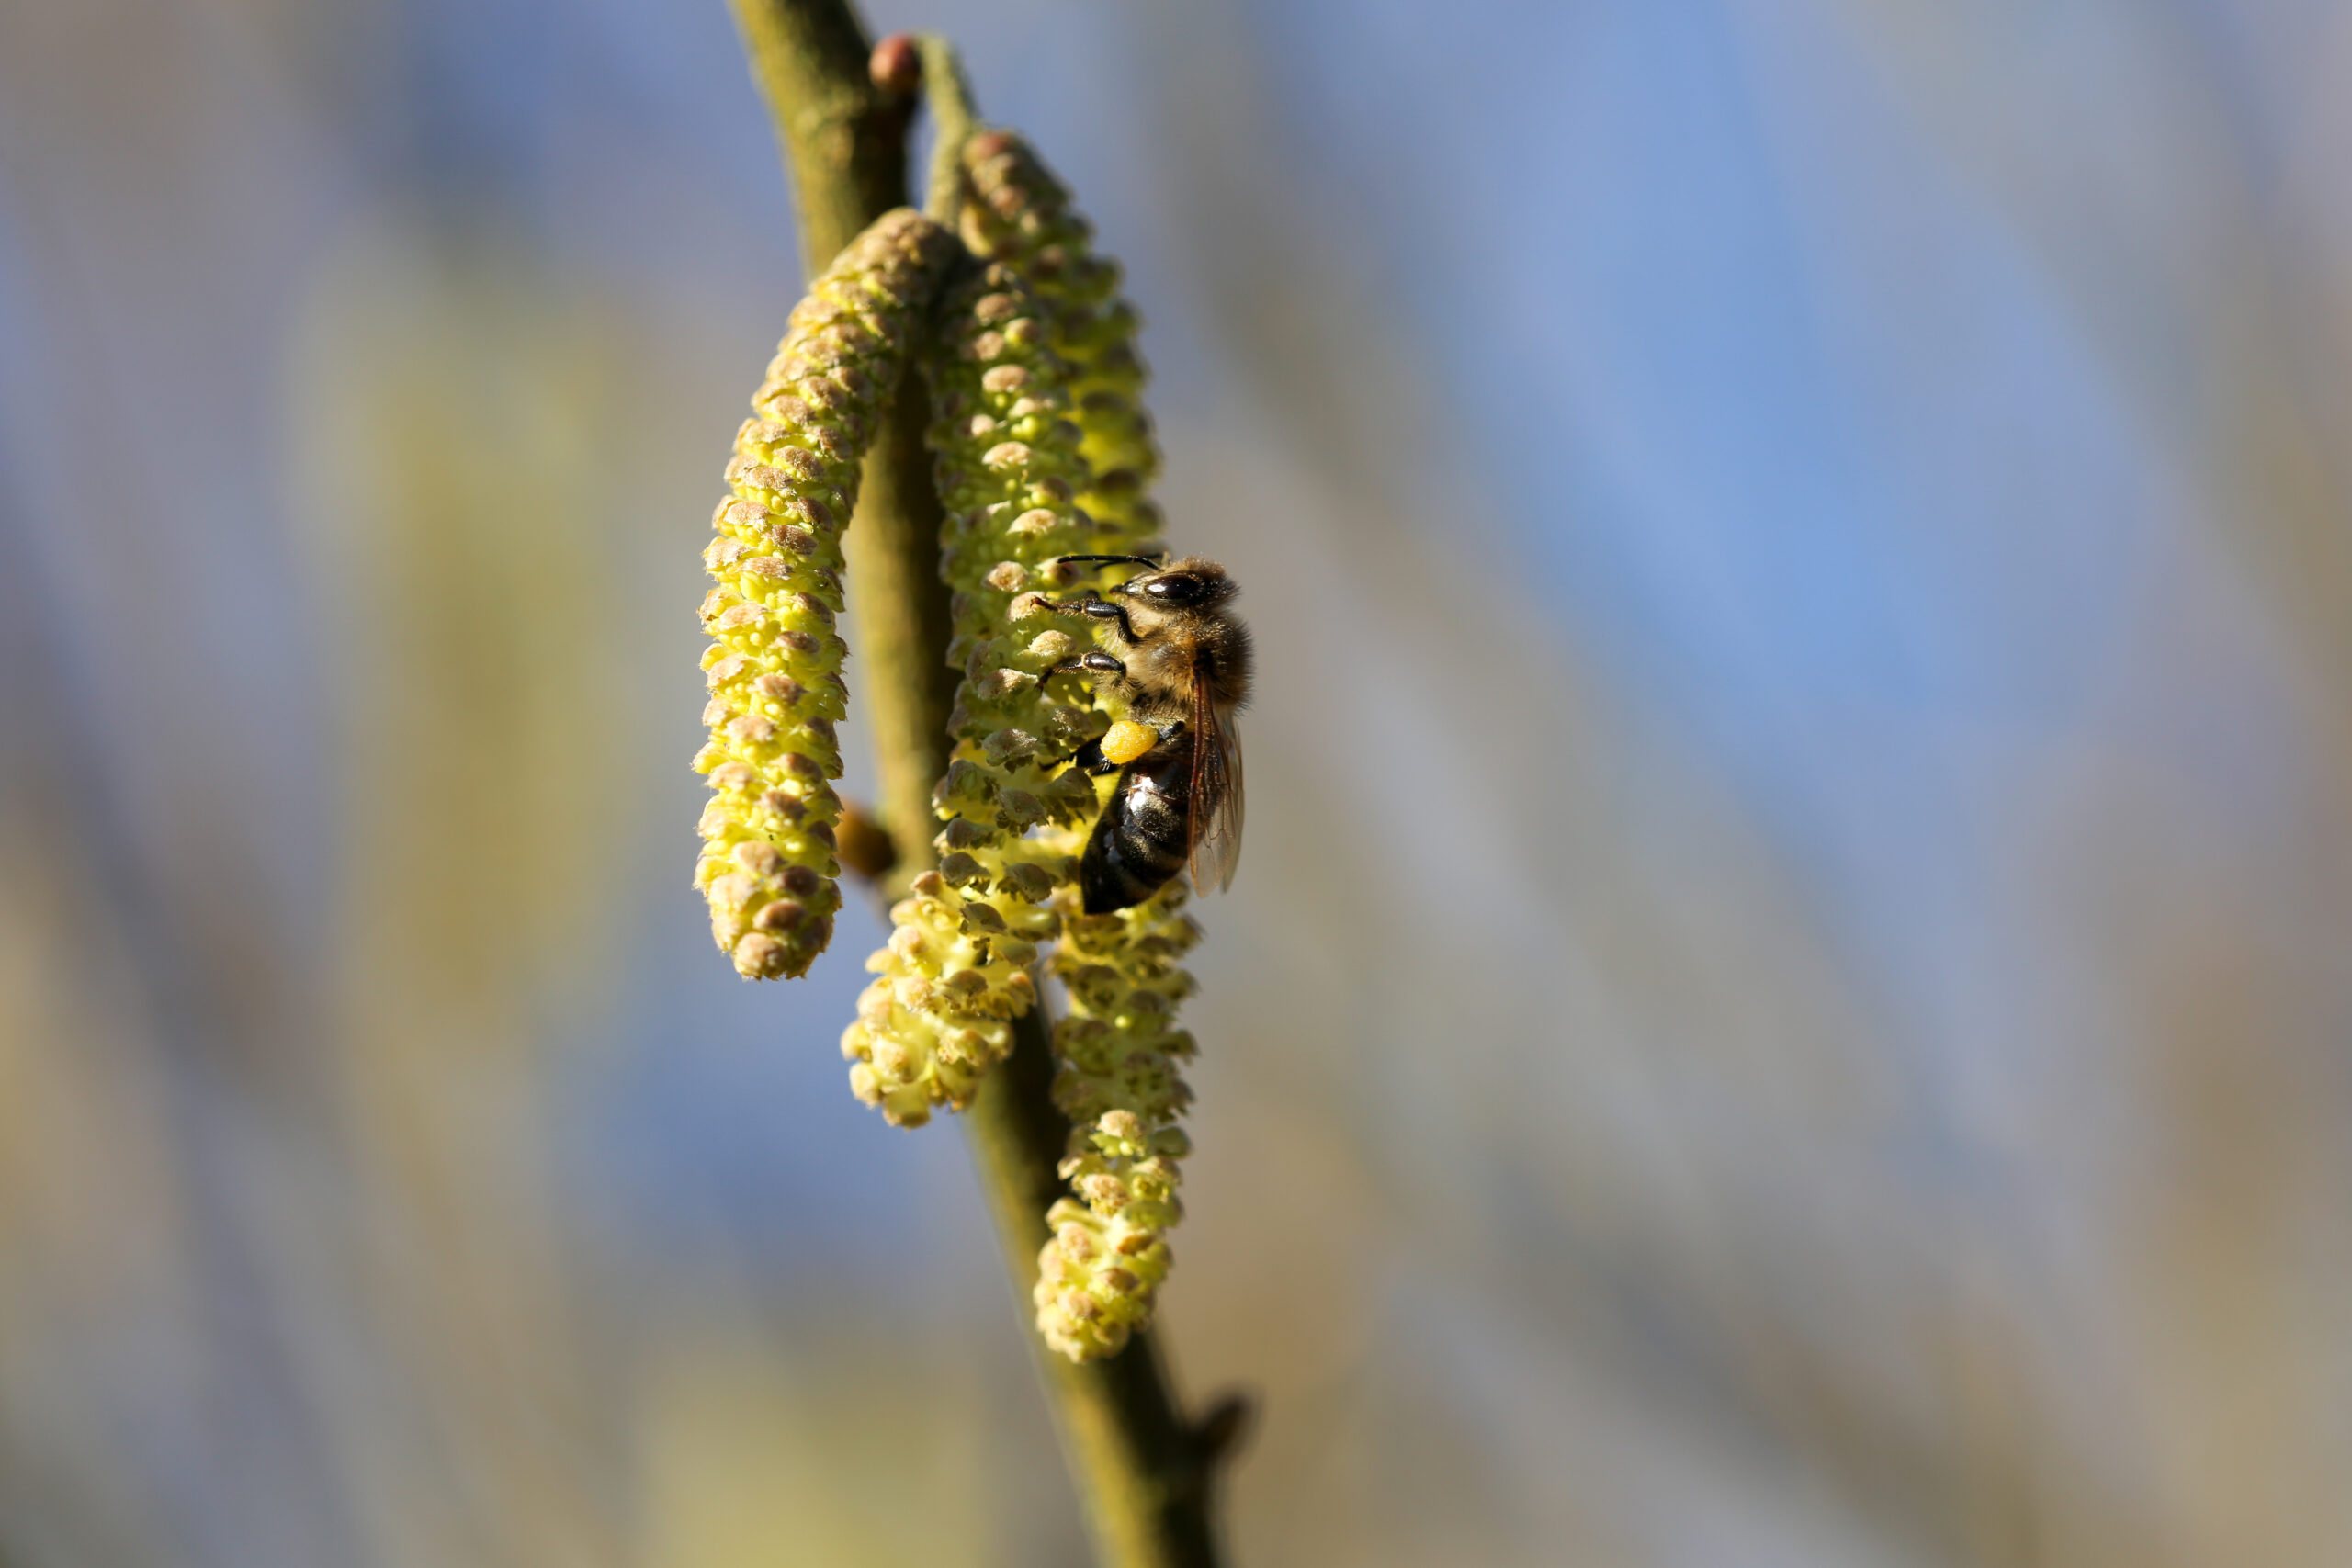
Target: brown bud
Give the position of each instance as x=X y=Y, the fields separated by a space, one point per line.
x=866 y=847
x=895 y=65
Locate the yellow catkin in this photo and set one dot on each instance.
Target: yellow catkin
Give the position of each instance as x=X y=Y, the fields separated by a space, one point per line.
x=957 y=968
x=1119 y=1082
x=1120 y=1050
x=1016 y=213
x=768 y=863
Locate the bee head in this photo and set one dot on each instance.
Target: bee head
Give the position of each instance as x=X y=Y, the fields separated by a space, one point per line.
x=1188 y=584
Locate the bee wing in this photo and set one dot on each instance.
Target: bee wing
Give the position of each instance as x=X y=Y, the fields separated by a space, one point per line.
x=1215 y=798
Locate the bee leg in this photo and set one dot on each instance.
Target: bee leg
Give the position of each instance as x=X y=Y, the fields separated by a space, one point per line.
x=1093 y=660
x=1089 y=759
x=1099 y=609
x=1159 y=560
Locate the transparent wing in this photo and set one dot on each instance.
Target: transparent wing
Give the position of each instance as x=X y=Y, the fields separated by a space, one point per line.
x=1215 y=799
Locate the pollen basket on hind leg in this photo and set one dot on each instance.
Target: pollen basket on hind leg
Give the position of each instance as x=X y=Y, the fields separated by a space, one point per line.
x=1126 y=740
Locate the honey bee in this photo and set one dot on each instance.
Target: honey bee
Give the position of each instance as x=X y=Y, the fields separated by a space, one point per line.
x=1179 y=662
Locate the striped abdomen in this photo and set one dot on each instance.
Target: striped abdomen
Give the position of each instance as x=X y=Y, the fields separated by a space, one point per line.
x=1145 y=834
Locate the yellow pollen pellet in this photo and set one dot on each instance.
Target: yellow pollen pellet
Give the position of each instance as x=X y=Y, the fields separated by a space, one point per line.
x=1126 y=740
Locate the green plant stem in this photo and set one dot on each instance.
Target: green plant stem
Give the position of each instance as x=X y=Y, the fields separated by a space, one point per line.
x=953 y=120
x=1142 y=1469
x=1143 y=1472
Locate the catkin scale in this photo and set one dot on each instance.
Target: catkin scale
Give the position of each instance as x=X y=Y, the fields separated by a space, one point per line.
x=768 y=865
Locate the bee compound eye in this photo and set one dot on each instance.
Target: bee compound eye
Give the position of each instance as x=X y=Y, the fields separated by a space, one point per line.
x=1176 y=588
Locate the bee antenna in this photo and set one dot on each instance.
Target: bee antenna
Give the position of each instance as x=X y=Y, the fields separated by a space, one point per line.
x=1130 y=560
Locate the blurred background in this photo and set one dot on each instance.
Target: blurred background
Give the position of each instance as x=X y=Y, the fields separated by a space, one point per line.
x=1787 y=1004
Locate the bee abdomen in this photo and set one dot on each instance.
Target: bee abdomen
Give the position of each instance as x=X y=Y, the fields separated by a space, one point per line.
x=1143 y=836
